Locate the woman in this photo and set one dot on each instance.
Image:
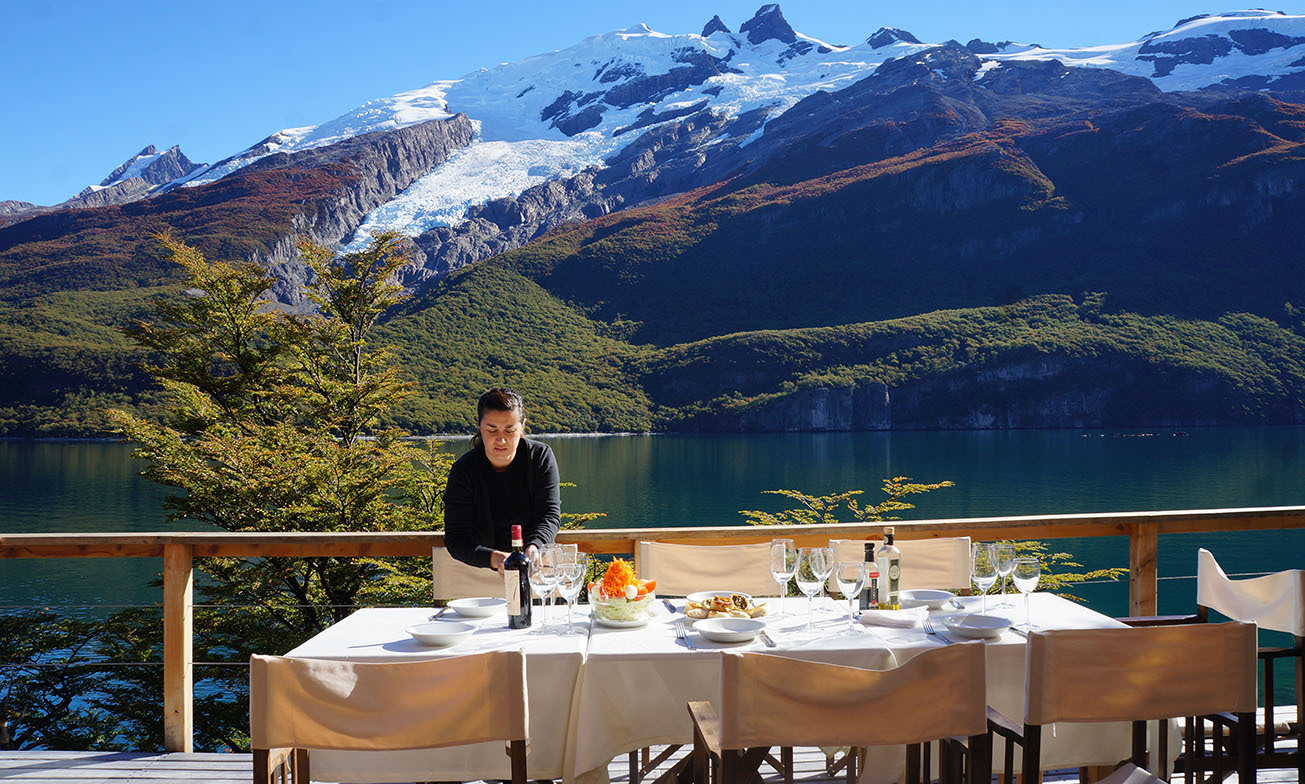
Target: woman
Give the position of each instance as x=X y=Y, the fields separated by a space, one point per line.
x=504 y=480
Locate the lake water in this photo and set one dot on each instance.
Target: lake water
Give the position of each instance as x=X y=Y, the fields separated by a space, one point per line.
x=704 y=480
x=670 y=480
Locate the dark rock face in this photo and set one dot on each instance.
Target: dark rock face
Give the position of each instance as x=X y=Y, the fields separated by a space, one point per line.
x=768 y=24
x=1260 y=41
x=982 y=47
x=164 y=169
x=11 y=206
x=381 y=165
x=886 y=36
x=714 y=26
x=821 y=409
x=128 y=190
x=1167 y=55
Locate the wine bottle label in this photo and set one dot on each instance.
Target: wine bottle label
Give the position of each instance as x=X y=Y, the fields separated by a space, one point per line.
x=512 y=591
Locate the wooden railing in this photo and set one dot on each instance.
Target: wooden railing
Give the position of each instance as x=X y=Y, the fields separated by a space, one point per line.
x=178 y=551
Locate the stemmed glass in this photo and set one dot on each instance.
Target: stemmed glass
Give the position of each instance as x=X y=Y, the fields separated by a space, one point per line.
x=850 y=577
x=813 y=567
x=783 y=565
x=544 y=575
x=573 y=577
x=1005 y=565
x=983 y=570
x=1026 y=575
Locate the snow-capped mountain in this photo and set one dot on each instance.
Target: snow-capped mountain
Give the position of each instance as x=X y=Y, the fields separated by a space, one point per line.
x=556 y=114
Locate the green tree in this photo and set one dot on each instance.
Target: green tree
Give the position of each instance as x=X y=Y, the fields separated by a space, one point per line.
x=274 y=424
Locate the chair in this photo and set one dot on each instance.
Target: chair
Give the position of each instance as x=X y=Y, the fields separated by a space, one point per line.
x=772 y=700
x=1136 y=675
x=452 y=579
x=681 y=569
x=926 y=563
x=300 y=704
x=1275 y=602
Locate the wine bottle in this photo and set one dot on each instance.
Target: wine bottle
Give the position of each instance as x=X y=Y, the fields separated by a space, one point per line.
x=516 y=582
x=870 y=594
x=890 y=573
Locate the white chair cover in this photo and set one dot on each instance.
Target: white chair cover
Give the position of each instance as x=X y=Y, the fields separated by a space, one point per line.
x=452 y=579
x=1146 y=673
x=926 y=563
x=1274 y=601
x=777 y=701
x=681 y=569
x=319 y=704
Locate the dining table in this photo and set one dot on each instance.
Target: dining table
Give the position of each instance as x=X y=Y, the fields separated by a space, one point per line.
x=636 y=682
x=553 y=666
x=598 y=695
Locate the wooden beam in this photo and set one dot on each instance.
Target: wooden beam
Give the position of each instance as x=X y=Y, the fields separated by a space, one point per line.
x=178 y=638
x=1143 y=581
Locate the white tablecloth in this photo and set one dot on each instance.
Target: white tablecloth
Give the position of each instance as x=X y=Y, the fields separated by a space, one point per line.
x=595 y=697
x=553 y=665
x=636 y=681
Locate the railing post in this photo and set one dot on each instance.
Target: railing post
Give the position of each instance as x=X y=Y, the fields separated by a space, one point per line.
x=178 y=636
x=1142 y=574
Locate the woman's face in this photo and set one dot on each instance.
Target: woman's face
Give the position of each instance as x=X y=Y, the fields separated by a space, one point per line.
x=501 y=432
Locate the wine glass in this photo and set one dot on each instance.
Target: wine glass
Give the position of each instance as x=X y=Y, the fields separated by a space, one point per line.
x=783 y=565
x=573 y=577
x=1005 y=552
x=813 y=567
x=1026 y=574
x=983 y=570
x=850 y=577
x=543 y=578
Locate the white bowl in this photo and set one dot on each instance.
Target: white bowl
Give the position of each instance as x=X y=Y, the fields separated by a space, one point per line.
x=477 y=607
x=925 y=597
x=441 y=633
x=975 y=626
x=729 y=629
x=702 y=596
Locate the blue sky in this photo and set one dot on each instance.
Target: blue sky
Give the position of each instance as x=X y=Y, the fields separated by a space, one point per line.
x=89 y=83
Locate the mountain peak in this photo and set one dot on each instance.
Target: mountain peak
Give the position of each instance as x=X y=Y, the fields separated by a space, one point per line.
x=886 y=36
x=714 y=26
x=768 y=23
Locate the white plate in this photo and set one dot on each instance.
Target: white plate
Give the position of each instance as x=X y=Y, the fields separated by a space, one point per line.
x=729 y=629
x=477 y=607
x=925 y=597
x=975 y=626
x=702 y=596
x=441 y=633
x=635 y=624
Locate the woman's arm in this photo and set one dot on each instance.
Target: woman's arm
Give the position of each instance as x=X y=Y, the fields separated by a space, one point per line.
x=460 y=534
x=546 y=517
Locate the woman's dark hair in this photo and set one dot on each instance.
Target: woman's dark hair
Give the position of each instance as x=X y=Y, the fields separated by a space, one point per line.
x=497 y=399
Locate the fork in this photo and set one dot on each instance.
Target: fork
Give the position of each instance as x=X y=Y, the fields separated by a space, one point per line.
x=682 y=635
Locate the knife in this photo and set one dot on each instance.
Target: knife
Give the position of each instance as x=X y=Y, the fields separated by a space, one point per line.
x=766 y=639
x=669 y=606
x=443 y=610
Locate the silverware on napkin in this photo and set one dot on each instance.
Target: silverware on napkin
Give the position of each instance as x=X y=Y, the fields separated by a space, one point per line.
x=766 y=639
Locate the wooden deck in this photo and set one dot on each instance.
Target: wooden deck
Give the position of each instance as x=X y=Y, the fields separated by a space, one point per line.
x=76 y=767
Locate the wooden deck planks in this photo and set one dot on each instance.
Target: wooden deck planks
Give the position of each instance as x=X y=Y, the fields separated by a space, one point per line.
x=77 y=767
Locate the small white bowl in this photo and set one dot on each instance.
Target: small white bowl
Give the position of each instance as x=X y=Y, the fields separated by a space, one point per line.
x=702 y=596
x=925 y=597
x=477 y=607
x=441 y=633
x=975 y=626
x=729 y=629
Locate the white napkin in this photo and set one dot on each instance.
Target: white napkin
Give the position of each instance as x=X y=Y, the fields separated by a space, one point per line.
x=896 y=619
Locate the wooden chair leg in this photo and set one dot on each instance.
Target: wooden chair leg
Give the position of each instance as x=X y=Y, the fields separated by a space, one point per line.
x=261 y=774
x=913 y=763
x=786 y=760
x=634 y=767
x=300 y=766
x=979 y=759
x=1032 y=769
x=518 y=762
x=1246 y=745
